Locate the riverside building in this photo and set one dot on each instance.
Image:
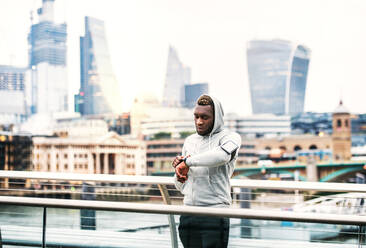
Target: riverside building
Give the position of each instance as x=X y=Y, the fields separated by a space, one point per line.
x=86 y=146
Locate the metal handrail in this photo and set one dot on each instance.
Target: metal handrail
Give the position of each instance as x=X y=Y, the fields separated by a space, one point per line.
x=186 y=210
x=242 y=183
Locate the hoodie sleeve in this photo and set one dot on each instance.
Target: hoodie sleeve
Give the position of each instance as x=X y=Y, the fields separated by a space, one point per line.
x=178 y=185
x=227 y=151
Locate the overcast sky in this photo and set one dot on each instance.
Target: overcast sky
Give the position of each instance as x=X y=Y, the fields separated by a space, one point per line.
x=210 y=37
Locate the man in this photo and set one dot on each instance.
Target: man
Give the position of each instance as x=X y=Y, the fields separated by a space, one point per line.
x=203 y=174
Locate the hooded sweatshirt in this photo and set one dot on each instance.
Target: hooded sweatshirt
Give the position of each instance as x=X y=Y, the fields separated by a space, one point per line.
x=211 y=164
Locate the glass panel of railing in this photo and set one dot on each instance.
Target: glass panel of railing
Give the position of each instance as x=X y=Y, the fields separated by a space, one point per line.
x=286 y=234
x=21 y=226
x=300 y=201
x=65 y=189
x=90 y=228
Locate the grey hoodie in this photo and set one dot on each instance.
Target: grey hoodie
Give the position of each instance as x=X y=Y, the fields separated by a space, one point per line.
x=211 y=164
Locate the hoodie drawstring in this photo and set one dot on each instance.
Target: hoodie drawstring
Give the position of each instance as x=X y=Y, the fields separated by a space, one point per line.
x=209 y=142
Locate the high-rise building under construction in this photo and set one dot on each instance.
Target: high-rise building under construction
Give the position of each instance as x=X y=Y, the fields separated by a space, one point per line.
x=47 y=61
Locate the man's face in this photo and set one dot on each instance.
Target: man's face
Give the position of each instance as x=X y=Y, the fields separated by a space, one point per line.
x=203 y=119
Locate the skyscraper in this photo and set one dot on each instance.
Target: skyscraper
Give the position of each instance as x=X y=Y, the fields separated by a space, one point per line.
x=12 y=95
x=47 y=60
x=277 y=76
x=99 y=88
x=193 y=91
x=177 y=75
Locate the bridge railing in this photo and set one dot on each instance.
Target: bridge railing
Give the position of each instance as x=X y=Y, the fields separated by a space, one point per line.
x=246 y=193
x=306 y=229
x=256 y=213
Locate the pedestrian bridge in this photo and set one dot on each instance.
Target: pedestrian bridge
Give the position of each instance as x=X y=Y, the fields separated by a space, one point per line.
x=328 y=172
x=264 y=213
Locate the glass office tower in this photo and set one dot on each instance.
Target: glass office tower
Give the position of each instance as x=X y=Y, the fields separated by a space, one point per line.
x=193 y=91
x=277 y=72
x=177 y=75
x=99 y=87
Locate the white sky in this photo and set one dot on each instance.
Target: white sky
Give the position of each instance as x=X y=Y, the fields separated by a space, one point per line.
x=211 y=38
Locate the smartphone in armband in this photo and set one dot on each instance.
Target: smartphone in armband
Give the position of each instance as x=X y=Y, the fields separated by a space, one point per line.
x=229 y=147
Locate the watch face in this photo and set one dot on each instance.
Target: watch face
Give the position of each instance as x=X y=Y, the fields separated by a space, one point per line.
x=229 y=147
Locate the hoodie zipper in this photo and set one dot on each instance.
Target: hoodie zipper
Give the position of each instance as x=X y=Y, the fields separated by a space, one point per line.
x=193 y=201
x=194 y=178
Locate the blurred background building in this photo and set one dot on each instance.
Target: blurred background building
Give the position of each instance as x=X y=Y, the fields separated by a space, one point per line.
x=177 y=76
x=311 y=123
x=180 y=122
x=47 y=61
x=15 y=151
x=192 y=92
x=86 y=146
x=277 y=72
x=12 y=94
x=99 y=91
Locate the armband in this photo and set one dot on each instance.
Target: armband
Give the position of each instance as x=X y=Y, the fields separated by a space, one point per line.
x=229 y=147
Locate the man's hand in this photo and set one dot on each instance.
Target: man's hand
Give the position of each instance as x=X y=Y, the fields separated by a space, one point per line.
x=182 y=172
x=177 y=160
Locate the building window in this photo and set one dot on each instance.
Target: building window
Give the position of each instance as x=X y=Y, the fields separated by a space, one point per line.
x=339 y=123
x=66 y=166
x=65 y=155
x=313 y=147
x=283 y=148
x=297 y=148
x=346 y=123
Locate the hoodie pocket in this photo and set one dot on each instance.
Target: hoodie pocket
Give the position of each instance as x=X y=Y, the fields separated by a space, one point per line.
x=204 y=193
x=221 y=189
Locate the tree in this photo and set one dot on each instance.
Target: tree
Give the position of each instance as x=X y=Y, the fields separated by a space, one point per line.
x=185 y=134
x=162 y=135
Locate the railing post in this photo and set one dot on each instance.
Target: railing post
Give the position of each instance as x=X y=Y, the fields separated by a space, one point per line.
x=361 y=235
x=173 y=230
x=1 y=240
x=44 y=227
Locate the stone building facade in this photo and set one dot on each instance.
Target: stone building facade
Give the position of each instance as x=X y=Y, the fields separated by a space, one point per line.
x=100 y=153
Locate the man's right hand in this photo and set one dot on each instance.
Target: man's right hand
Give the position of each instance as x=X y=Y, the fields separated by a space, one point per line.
x=177 y=161
x=182 y=172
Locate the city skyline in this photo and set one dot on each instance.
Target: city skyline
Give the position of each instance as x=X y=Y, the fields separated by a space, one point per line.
x=211 y=37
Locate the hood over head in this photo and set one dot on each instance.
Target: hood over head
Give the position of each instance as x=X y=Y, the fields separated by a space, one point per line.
x=218 y=116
